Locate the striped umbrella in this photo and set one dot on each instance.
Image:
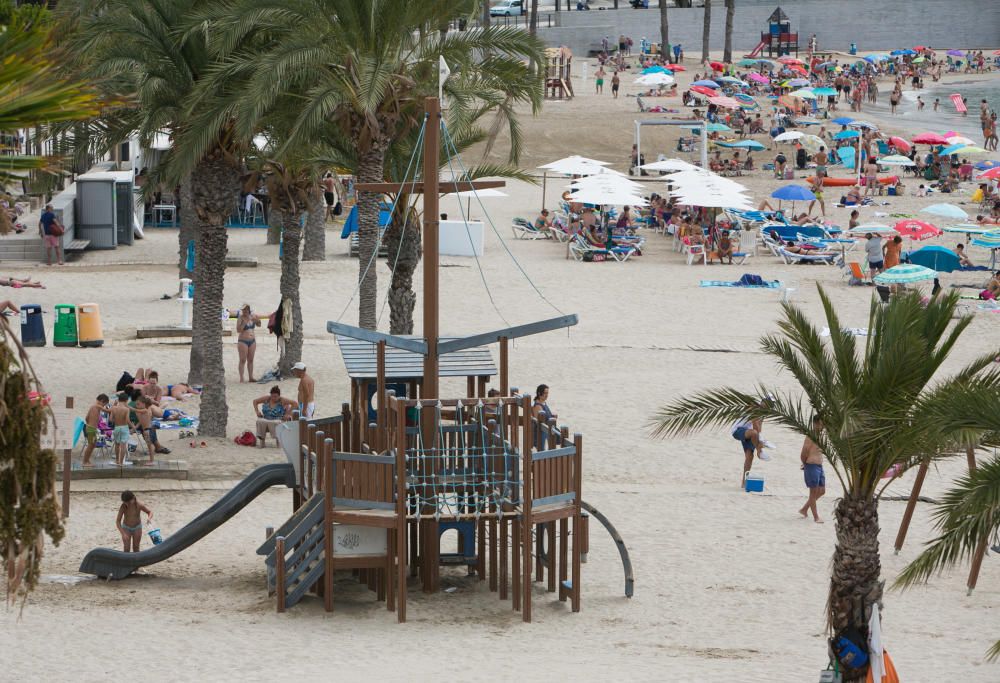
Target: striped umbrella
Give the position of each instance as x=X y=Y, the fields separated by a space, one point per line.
x=990 y=240
x=905 y=274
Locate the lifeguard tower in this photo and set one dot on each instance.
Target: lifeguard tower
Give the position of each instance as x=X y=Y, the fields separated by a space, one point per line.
x=558 y=81
x=778 y=40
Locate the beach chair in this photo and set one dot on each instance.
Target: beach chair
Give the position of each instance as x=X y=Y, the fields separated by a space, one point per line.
x=854 y=270
x=580 y=249
x=693 y=252
x=790 y=257
x=525 y=230
x=748 y=241
x=558 y=232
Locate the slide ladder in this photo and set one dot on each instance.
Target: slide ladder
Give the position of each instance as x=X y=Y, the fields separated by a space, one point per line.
x=296 y=563
x=757 y=50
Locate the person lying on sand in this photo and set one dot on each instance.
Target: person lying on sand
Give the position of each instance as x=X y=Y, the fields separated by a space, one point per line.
x=18 y=283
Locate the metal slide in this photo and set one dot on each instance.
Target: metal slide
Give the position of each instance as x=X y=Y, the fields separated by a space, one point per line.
x=115 y=564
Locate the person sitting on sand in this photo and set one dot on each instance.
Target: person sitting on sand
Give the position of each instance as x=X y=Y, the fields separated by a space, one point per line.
x=91 y=422
x=129 y=521
x=853 y=197
x=963 y=259
x=152 y=388
x=992 y=291
x=812 y=470
x=271 y=411
x=854 y=220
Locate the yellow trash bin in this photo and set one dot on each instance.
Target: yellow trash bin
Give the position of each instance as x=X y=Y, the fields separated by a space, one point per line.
x=89 y=325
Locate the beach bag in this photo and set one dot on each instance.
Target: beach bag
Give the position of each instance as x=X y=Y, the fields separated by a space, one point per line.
x=338 y=209
x=751 y=280
x=124 y=381
x=246 y=439
x=57 y=230
x=848 y=653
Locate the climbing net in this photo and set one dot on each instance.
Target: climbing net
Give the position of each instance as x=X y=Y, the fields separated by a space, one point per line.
x=464 y=469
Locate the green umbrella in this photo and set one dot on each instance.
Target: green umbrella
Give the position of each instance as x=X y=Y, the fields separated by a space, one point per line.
x=905 y=274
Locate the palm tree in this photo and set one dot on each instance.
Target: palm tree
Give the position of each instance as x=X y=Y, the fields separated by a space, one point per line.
x=727 y=55
x=664 y=30
x=879 y=408
x=363 y=68
x=533 y=19
x=966 y=514
x=151 y=54
x=314 y=244
x=705 y=31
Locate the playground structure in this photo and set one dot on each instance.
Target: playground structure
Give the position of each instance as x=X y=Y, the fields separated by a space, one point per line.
x=778 y=40
x=558 y=68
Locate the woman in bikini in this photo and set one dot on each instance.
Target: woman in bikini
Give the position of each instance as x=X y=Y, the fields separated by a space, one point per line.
x=246 y=340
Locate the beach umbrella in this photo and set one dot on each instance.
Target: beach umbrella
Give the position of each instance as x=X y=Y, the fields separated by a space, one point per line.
x=990 y=240
x=797 y=69
x=919 y=60
x=674 y=67
x=747 y=62
x=789 y=136
x=723 y=101
x=607 y=192
x=959 y=148
x=717 y=66
x=702 y=90
x=793 y=193
x=705 y=83
x=969 y=229
x=700 y=178
x=986 y=165
x=846 y=134
x=670 y=165
x=750 y=144
x=843 y=120
x=863 y=124
x=746 y=101
x=736 y=81
x=812 y=142
x=804 y=93
x=996 y=53
x=655 y=79
x=899 y=53
x=930 y=139
x=874 y=228
x=653 y=70
x=575 y=165
x=940 y=259
x=895 y=160
x=905 y=273
x=900 y=143
x=919 y=48
x=955 y=53
x=711 y=128
x=990 y=174
x=945 y=211
x=788 y=59
x=916 y=230
x=825 y=92
x=796 y=82
x=759 y=78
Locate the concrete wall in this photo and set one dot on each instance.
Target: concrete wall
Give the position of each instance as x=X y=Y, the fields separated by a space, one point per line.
x=872 y=24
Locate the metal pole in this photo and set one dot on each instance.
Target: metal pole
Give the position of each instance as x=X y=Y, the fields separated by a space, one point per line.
x=704 y=141
x=431 y=249
x=67 y=467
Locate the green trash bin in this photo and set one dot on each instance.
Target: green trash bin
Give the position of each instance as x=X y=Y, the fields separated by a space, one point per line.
x=64 y=332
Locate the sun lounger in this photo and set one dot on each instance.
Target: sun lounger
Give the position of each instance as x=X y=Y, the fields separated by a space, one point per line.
x=524 y=230
x=791 y=257
x=579 y=247
x=771 y=284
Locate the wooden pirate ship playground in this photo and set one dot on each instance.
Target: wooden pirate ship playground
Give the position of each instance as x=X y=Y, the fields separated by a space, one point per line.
x=377 y=485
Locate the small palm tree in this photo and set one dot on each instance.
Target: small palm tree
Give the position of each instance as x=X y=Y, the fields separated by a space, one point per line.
x=880 y=406
x=967 y=514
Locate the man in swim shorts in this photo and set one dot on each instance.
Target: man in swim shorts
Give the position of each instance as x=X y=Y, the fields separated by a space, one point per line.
x=307 y=390
x=120 y=420
x=812 y=469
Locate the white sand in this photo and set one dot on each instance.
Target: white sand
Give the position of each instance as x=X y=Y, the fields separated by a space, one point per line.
x=729 y=586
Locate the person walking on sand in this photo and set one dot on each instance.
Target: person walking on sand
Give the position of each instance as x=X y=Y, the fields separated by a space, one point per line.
x=812 y=470
x=129 y=521
x=615 y=84
x=307 y=390
x=599 y=80
x=48 y=226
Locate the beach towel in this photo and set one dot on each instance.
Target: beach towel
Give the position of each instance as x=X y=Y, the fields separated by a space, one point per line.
x=959 y=104
x=772 y=284
x=184 y=423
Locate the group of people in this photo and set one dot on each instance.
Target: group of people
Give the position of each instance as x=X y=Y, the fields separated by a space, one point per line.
x=272 y=409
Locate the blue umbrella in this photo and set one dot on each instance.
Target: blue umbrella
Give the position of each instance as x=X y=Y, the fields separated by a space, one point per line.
x=897 y=53
x=843 y=120
x=845 y=134
x=948 y=151
x=706 y=84
x=750 y=144
x=987 y=165
x=827 y=92
x=847 y=156
x=941 y=259
x=654 y=70
x=793 y=193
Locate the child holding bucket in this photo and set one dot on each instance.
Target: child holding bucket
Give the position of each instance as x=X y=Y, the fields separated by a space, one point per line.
x=129 y=521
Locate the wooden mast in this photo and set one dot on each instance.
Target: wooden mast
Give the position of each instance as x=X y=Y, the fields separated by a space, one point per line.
x=432 y=109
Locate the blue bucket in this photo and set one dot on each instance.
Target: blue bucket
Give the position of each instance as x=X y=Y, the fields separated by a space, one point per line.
x=155 y=537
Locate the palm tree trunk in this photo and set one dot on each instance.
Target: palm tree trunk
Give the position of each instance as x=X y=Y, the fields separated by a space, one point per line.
x=189 y=226
x=706 y=31
x=290 y=281
x=214 y=183
x=855 y=583
x=274 y=219
x=402 y=298
x=314 y=247
x=486 y=14
x=533 y=19
x=727 y=55
x=370 y=170
x=664 y=30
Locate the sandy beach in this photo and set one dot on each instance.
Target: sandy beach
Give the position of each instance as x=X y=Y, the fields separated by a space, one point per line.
x=730 y=586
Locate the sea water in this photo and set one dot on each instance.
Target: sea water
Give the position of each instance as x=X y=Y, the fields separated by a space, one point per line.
x=946 y=118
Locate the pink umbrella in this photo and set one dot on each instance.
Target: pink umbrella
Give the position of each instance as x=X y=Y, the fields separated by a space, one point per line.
x=758 y=78
x=992 y=174
x=702 y=90
x=900 y=143
x=930 y=139
x=723 y=101
x=916 y=230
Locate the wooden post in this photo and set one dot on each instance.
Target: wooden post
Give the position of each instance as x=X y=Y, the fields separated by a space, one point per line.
x=577 y=517
x=911 y=504
x=504 y=366
x=431 y=248
x=67 y=466
x=380 y=439
x=526 y=497
x=279 y=571
x=328 y=493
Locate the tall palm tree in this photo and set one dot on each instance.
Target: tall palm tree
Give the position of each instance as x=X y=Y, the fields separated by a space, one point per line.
x=727 y=55
x=364 y=67
x=314 y=242
x=533 y=19
x=151 y=54
x=880 y=406
x=705 y=31
x=664 y=30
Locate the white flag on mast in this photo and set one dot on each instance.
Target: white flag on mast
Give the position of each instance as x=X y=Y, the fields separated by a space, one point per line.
x=443 y=73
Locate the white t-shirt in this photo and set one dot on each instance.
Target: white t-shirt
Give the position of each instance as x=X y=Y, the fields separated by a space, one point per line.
x=873 y=248
x=743 y=422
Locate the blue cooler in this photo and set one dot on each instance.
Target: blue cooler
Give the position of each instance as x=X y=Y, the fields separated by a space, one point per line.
x=32 y=329
x=754 y=483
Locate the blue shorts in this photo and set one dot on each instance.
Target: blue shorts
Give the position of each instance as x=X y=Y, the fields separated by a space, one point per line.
x=814 y=476
x=876 y=265
x=740 y=435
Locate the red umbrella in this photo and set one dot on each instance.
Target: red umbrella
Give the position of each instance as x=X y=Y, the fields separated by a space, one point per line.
x=918 y=48
x=900 y=143
x=702 y=90
x=717 y=66
x=790 y=60
x=797 y=69
x=930 y=139
x=916 y=230
x=992 y=174
x=674 y=67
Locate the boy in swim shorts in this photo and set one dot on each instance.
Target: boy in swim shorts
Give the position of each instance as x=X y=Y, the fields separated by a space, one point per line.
x=120 y=421
x=129 y=521
x=812 y=470
x=92 y=421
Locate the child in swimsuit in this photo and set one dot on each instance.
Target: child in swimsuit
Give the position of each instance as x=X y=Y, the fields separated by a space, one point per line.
x=129 y=521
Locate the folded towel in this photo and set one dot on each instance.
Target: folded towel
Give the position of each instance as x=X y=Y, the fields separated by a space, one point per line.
x=772 y=284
